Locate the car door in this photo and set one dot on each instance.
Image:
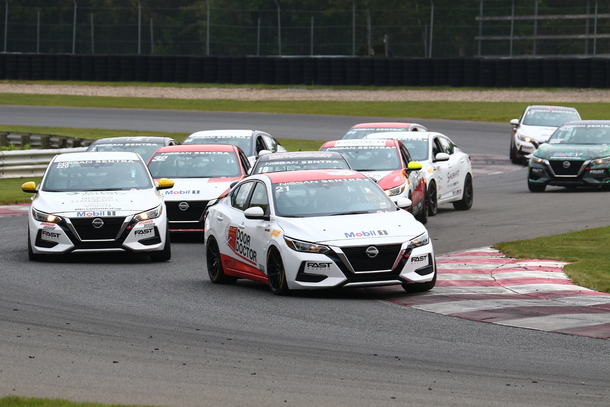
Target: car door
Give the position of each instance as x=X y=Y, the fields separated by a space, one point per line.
x=256 y=232
x=457 y=167
x=442 y=169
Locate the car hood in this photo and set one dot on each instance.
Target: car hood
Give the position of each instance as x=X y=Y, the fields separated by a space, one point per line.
x=386 y=179
x=97 y=203
x=539 y=133
x=197 y=189
x=354 y=230
x=572 y=151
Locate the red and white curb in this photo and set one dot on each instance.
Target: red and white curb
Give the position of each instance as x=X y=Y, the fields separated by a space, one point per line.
x=14 y=210
x=484 y=285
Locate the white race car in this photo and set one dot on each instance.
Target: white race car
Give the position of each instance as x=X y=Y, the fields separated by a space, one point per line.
x=98 y=201
x=314 y=229
x=535 y=126
x=447 y=169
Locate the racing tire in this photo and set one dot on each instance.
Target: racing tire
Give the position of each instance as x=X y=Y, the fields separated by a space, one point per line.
x=420 y=287
x=422 y=216
x=31 y=255
x=276 y=273
x=165 y=254
x=432 y=198
x=467 y=197
x=514 y=157
x=533 y=187
x=214 y=264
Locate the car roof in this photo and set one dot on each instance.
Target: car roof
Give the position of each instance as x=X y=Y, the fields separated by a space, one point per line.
x=124 y=140
x=223 y=133
x=360 y=142
x=587 y=123
x=403 y=135
x=199 y=147
x=300 y=155
x=550 y=107
x=98 y=155
x=390 y=125
x=311 y=175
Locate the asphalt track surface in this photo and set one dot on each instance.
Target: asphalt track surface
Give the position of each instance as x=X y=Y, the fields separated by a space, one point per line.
x=124 y=330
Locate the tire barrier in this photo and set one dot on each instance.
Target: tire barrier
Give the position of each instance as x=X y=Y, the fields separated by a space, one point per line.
x=535 y=72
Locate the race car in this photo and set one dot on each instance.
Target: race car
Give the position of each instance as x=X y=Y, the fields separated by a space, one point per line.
x=252 y=142
x=390 y=164
x=145 y=146
x=447 y=169
x=362 y=129
x=316 y=229
x=576 y=155
x=200 y=172
x=98 y=202
x=299 y=160
x=535 y=126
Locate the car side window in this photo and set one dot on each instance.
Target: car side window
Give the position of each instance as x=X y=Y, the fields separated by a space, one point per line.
x=239 y=196
x=271 y=143
x=404 y=153
x=446 y=145
x=436 y=148
x=244 y=161
x=260 y=144
x=259 y=197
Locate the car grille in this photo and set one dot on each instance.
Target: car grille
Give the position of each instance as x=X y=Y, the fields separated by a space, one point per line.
x=361 y=262
x=571 y=171
x=86 y=231
x=193 y=213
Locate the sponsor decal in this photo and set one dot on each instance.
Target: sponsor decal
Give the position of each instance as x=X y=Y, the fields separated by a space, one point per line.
x=140 y=233
x=419 y=259
x=48 y=235
x=276 y=233
x=239 y=243
x=182 y=192
x=145 y=222
x=369 y=233
x=316 y=266
x=452 y=175
x=95 y=213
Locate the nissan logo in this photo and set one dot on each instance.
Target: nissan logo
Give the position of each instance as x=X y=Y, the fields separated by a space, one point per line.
x=183 y=206
x=566 y=164
x=372 y=252
x=97 y=223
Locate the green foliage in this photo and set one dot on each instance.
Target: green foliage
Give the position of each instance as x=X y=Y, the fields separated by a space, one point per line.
x=14 y=401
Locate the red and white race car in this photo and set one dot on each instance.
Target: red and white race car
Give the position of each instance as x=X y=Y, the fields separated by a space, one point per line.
x=389 y=163
x=201 y=172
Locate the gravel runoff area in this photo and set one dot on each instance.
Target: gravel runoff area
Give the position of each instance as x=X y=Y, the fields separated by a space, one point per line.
x=245 y=93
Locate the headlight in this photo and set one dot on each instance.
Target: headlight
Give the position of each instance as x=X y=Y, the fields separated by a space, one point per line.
x=308 y=247
x=420 y=240
x=603 y=160
x=536 y=160
x=45 y=217
x=396 y=190
x=151 y=214
x=523 y=137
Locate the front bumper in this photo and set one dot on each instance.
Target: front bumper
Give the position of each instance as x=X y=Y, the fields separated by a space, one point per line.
x=568 y=173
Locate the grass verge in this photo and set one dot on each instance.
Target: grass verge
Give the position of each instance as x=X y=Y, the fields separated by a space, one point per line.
x=14 y=401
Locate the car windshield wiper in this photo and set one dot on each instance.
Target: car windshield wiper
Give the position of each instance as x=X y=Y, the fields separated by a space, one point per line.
x=350 y=213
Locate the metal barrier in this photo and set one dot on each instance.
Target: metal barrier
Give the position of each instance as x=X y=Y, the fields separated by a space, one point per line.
x=42 y=141
x=29 y=163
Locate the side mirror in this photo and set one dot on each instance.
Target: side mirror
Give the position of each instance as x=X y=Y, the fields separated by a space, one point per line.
x=165 y=183
x=414 y=166
x=442 y=157
x=263 y=152
x=403 y=203
x=255 y=212
x=514 y=122
x=29 y=187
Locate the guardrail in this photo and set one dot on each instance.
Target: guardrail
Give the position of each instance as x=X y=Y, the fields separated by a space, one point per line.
x=29 y=163
x=41 y=141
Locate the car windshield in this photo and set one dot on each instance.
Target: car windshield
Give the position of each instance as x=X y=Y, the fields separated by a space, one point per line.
x=243 y=142
x=330 y=198
x=548 y=117
x=581 y=134
x=365 y=131
x=96 y=175
x=146 y=150
x=369 y=157
x=299 y=164
x=194 y=164
x=418 y=148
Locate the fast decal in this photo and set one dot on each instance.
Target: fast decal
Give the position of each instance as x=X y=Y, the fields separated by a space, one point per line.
x=366 y=233
x=48 y=235
x=317 y=266
x=419 y=259
x=96 y=213
x=239 y=243
x=144 y=233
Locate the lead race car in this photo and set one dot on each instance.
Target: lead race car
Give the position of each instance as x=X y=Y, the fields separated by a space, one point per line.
x=316 y=229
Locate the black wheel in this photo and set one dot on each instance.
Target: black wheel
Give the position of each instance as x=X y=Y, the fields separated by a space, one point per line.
x=467 y=197
x=533 y=187
x=513 y=155
x=276 y=273
x=166 y=253
x=422 y=216
x=420 y=287
x=214 y=264
x=31 y=255
x=432 y=198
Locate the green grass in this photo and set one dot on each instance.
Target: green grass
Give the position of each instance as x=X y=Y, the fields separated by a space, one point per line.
x=14 y=401
x=584 y=250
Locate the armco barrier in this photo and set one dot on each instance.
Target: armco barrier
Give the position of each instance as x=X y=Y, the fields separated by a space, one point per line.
x=41 y=141
x=29 y=163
